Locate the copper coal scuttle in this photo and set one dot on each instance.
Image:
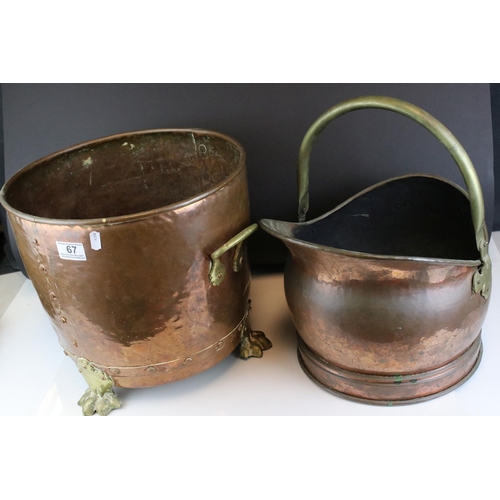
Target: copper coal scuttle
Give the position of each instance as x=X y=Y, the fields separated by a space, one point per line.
x=389 y=290
x=134 y=244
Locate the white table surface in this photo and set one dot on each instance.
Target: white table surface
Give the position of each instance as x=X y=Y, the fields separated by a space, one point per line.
x=37 y=379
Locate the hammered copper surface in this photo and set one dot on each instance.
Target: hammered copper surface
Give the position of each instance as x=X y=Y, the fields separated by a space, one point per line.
x=379 y=316
x=382 y=316
x=141 y=308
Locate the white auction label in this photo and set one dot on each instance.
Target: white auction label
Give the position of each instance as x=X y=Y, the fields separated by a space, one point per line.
x=71 y=251
x=95 y=240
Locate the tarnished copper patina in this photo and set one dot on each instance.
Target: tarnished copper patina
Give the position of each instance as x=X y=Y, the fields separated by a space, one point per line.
x=134 y=244
x=389 y=290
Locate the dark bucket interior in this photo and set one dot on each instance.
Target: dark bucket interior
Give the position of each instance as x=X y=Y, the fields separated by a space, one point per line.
x=414 y=216
x=125 y=175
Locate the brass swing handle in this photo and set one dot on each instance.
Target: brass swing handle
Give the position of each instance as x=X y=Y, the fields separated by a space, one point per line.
x=482 y=277
x=217 y=270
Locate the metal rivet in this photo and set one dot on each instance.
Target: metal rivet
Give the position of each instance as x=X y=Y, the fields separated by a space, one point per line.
x=187 y=361
x=114 y=370
x=202 y=148
x=64 y=320
x=219 y=345
x=151 y=369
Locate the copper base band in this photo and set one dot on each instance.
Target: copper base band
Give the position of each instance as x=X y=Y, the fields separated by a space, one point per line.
x=390 y=390
x=175 y=369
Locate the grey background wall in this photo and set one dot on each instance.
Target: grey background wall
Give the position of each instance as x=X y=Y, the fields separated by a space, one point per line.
x=270 y=121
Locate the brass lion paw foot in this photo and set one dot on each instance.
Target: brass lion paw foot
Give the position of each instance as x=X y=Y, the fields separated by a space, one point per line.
x=261 y=339
x=92 y=402
x=99 y=397
x=252 y=345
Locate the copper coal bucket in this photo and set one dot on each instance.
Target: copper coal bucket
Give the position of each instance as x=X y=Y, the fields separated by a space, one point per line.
x=389 y=290
x=134 y=244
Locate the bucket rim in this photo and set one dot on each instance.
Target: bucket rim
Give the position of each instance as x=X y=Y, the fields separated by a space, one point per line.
x=119 y=219
x=264 y=224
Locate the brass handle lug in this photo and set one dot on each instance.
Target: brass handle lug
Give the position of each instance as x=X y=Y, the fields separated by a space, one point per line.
x=238 y=258
x=217 y=271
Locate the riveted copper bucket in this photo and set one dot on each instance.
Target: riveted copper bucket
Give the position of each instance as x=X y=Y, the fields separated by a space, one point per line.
x=134 y=244
x=389 y=290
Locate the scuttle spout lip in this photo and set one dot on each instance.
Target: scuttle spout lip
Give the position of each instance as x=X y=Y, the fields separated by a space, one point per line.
x=285 y=232
x=279 y=229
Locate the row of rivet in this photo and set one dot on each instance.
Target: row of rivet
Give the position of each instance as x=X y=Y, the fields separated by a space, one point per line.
x=52 y=295
x=151 y=368
x=164 y=367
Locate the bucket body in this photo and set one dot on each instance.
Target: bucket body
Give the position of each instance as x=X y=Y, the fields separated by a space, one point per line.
x=382 y=330
x=116 y=236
